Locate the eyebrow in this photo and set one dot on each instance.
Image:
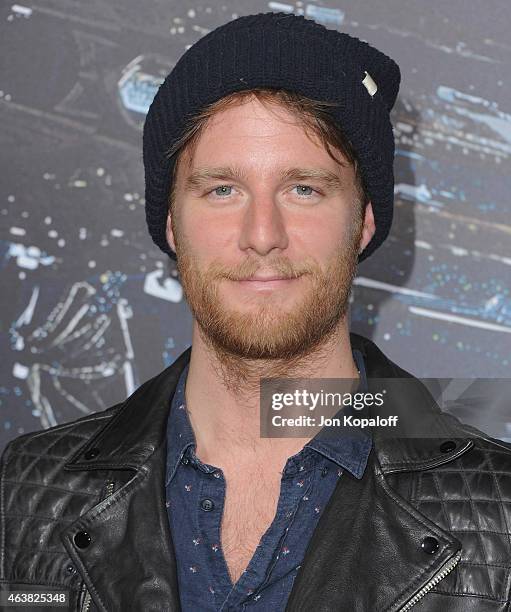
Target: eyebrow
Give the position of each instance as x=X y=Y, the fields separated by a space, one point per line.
x=200 y=176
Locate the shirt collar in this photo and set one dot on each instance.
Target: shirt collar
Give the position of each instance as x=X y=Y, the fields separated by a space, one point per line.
x=350 y=451
x=180 y=433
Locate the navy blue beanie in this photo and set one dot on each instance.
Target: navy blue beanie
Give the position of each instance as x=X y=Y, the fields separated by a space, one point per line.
x=284 y=51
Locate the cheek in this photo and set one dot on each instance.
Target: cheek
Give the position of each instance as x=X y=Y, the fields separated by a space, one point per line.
x=209 y=234
x=323 y=233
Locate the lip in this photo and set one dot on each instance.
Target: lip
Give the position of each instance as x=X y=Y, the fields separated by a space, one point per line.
x=272 y=282
x=264 y=278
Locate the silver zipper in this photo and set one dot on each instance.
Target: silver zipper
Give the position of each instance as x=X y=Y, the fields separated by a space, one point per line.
x=86 y=601
x=448 y=567
x=109 y=489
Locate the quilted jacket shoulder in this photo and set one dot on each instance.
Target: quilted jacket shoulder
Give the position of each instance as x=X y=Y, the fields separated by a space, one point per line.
x=37 y=500
x=469 y=498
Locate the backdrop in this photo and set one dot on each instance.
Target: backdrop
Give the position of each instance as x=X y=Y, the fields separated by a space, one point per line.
x=91 y=309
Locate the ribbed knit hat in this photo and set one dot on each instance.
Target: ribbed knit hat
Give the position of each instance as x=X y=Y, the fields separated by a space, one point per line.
x=284 y=51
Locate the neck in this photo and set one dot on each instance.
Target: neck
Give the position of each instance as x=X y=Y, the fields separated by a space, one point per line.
x=222 y=397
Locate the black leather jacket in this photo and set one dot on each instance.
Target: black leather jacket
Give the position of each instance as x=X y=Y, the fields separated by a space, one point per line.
x=83 y=509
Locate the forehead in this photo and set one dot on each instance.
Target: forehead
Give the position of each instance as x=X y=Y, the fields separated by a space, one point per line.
x=255 y=121
x=257 y=134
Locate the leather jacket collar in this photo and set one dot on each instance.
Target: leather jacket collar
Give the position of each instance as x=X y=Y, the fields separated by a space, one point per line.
x=139 y=426
x=345 y=567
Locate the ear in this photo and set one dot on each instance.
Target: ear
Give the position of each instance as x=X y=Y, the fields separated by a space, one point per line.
x=368 y=229
x=170 y=233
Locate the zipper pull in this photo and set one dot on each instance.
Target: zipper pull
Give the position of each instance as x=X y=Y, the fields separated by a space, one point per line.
x=109 y=489
x=86 y=601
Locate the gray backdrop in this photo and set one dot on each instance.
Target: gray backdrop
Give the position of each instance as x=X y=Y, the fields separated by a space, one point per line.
x=91 y=308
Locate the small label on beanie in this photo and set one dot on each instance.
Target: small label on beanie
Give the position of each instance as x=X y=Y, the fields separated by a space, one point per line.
x=369 y=84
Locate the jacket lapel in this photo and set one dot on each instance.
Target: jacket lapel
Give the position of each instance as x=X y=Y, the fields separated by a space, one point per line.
x=366 y=553
x=130 y=563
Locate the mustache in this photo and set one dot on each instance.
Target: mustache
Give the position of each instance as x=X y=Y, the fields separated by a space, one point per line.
x=281 y=268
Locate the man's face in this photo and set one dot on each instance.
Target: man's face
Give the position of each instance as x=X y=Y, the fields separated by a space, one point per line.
x=265 y=220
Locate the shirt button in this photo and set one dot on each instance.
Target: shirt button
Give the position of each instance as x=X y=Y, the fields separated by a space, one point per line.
x=207 y=505
x=324 y=471
x=185 y=461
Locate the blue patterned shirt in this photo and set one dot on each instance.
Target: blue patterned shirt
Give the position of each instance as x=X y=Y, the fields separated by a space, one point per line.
x=195 y=495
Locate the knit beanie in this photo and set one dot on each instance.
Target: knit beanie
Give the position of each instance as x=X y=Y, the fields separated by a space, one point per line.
x=284 y=51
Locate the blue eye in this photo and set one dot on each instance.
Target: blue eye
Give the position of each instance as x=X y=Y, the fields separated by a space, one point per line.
x=223 y=188
x=301 y=190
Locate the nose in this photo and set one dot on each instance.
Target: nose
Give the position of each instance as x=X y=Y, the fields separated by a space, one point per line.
x=263 y=226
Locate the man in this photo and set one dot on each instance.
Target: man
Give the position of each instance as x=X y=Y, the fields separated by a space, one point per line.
x=268 y=153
